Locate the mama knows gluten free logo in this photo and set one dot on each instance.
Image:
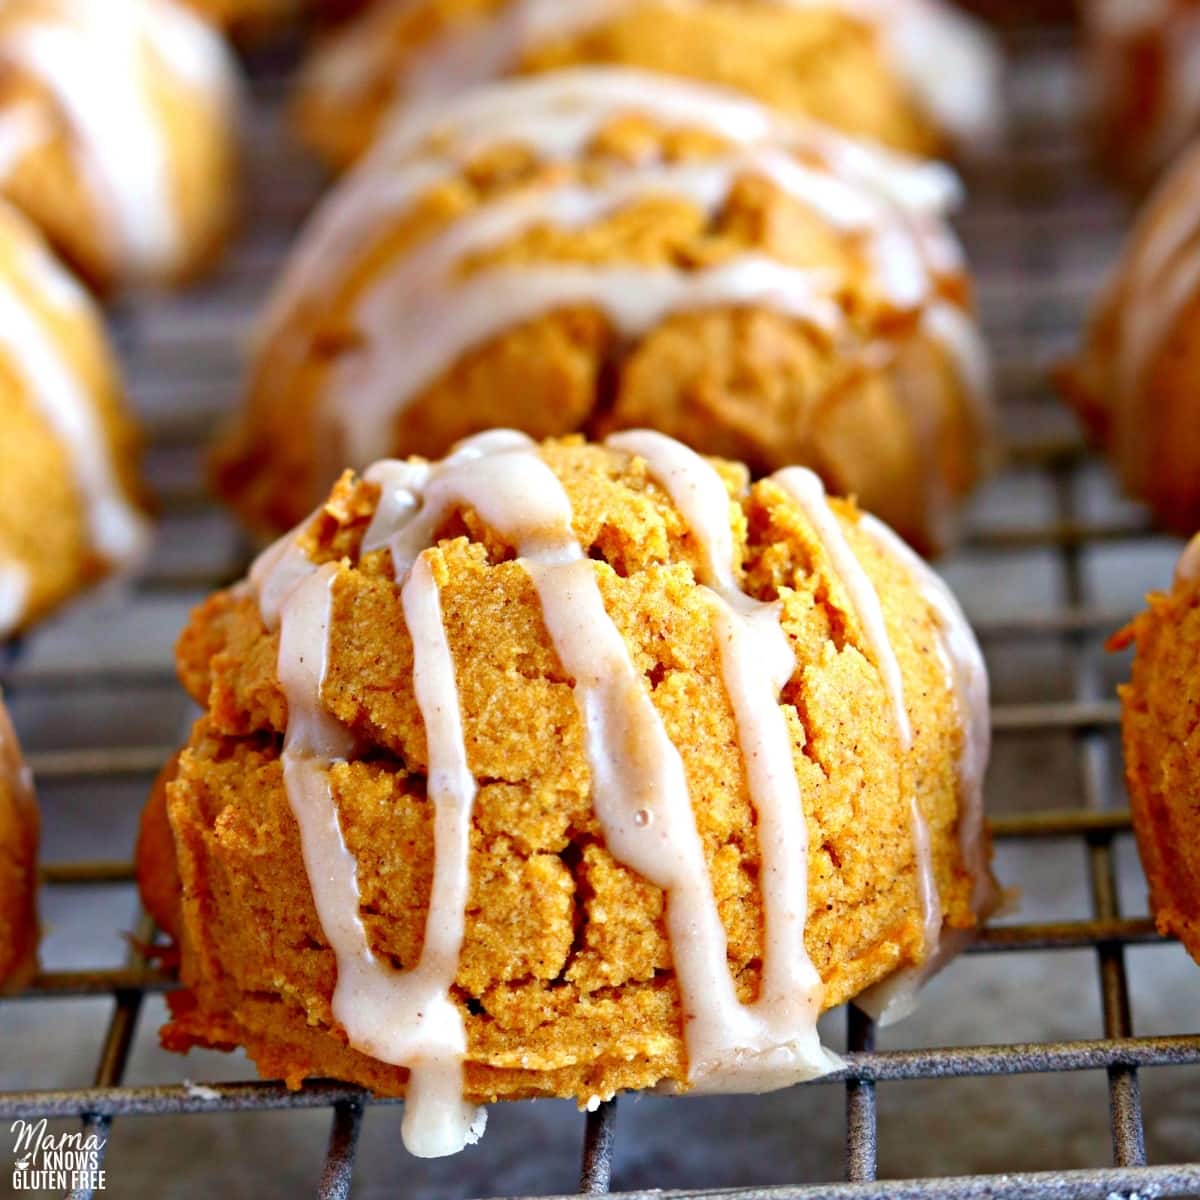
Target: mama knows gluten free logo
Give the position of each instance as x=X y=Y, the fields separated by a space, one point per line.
x=48 y=1162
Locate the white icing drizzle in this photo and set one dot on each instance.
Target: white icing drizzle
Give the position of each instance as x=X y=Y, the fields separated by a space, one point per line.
x=558 y=115
x=1188 y=570
x=91 y=59
x=406 y=1018
x=433 y=331
x=638 y=783
x=419 y=314
x=560 y=112
x=757 y=662
x=967 y=678
x=952 y=67
x=119 y=533
x=14 y=595
x=807 y=490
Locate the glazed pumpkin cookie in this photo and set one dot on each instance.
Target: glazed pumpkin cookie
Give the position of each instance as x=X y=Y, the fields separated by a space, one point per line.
x=471 y=811
x=1143 y=64
x=68 y=449
x=601 y=249
x=912 y=74
x=117 y=134
x=18 y=862
x=1160 y=710
x=1136 y=383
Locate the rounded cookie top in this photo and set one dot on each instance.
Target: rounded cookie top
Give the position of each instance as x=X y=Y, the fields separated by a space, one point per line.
x=1142 y=61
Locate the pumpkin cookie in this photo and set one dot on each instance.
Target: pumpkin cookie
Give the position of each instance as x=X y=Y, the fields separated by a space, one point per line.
x=561 y=769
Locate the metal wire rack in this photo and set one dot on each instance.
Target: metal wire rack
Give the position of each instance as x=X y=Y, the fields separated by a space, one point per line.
x=1034 y=204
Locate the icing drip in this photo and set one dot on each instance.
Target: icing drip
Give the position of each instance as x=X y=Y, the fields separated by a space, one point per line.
x=1188 y=570
x=757 y=662
x=806 y=489
x=967 y=678
x=636 y=771
x=14 y=595
x=119 y=533
x=952 y=67
x=401 y=1017
x=120 y=137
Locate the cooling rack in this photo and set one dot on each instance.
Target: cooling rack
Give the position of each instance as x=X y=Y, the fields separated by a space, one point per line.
x=1039 y=232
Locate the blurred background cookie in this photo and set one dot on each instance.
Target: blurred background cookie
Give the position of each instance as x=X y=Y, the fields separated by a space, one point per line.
x=600 y=249
x=117 y=135
x=69 y=510
x=1136 y=382
x=915 y=75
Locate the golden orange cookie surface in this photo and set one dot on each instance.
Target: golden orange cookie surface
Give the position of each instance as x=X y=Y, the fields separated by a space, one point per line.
x=1162 y=753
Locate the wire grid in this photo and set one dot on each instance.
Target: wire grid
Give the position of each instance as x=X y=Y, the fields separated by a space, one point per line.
x=1034 y=190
